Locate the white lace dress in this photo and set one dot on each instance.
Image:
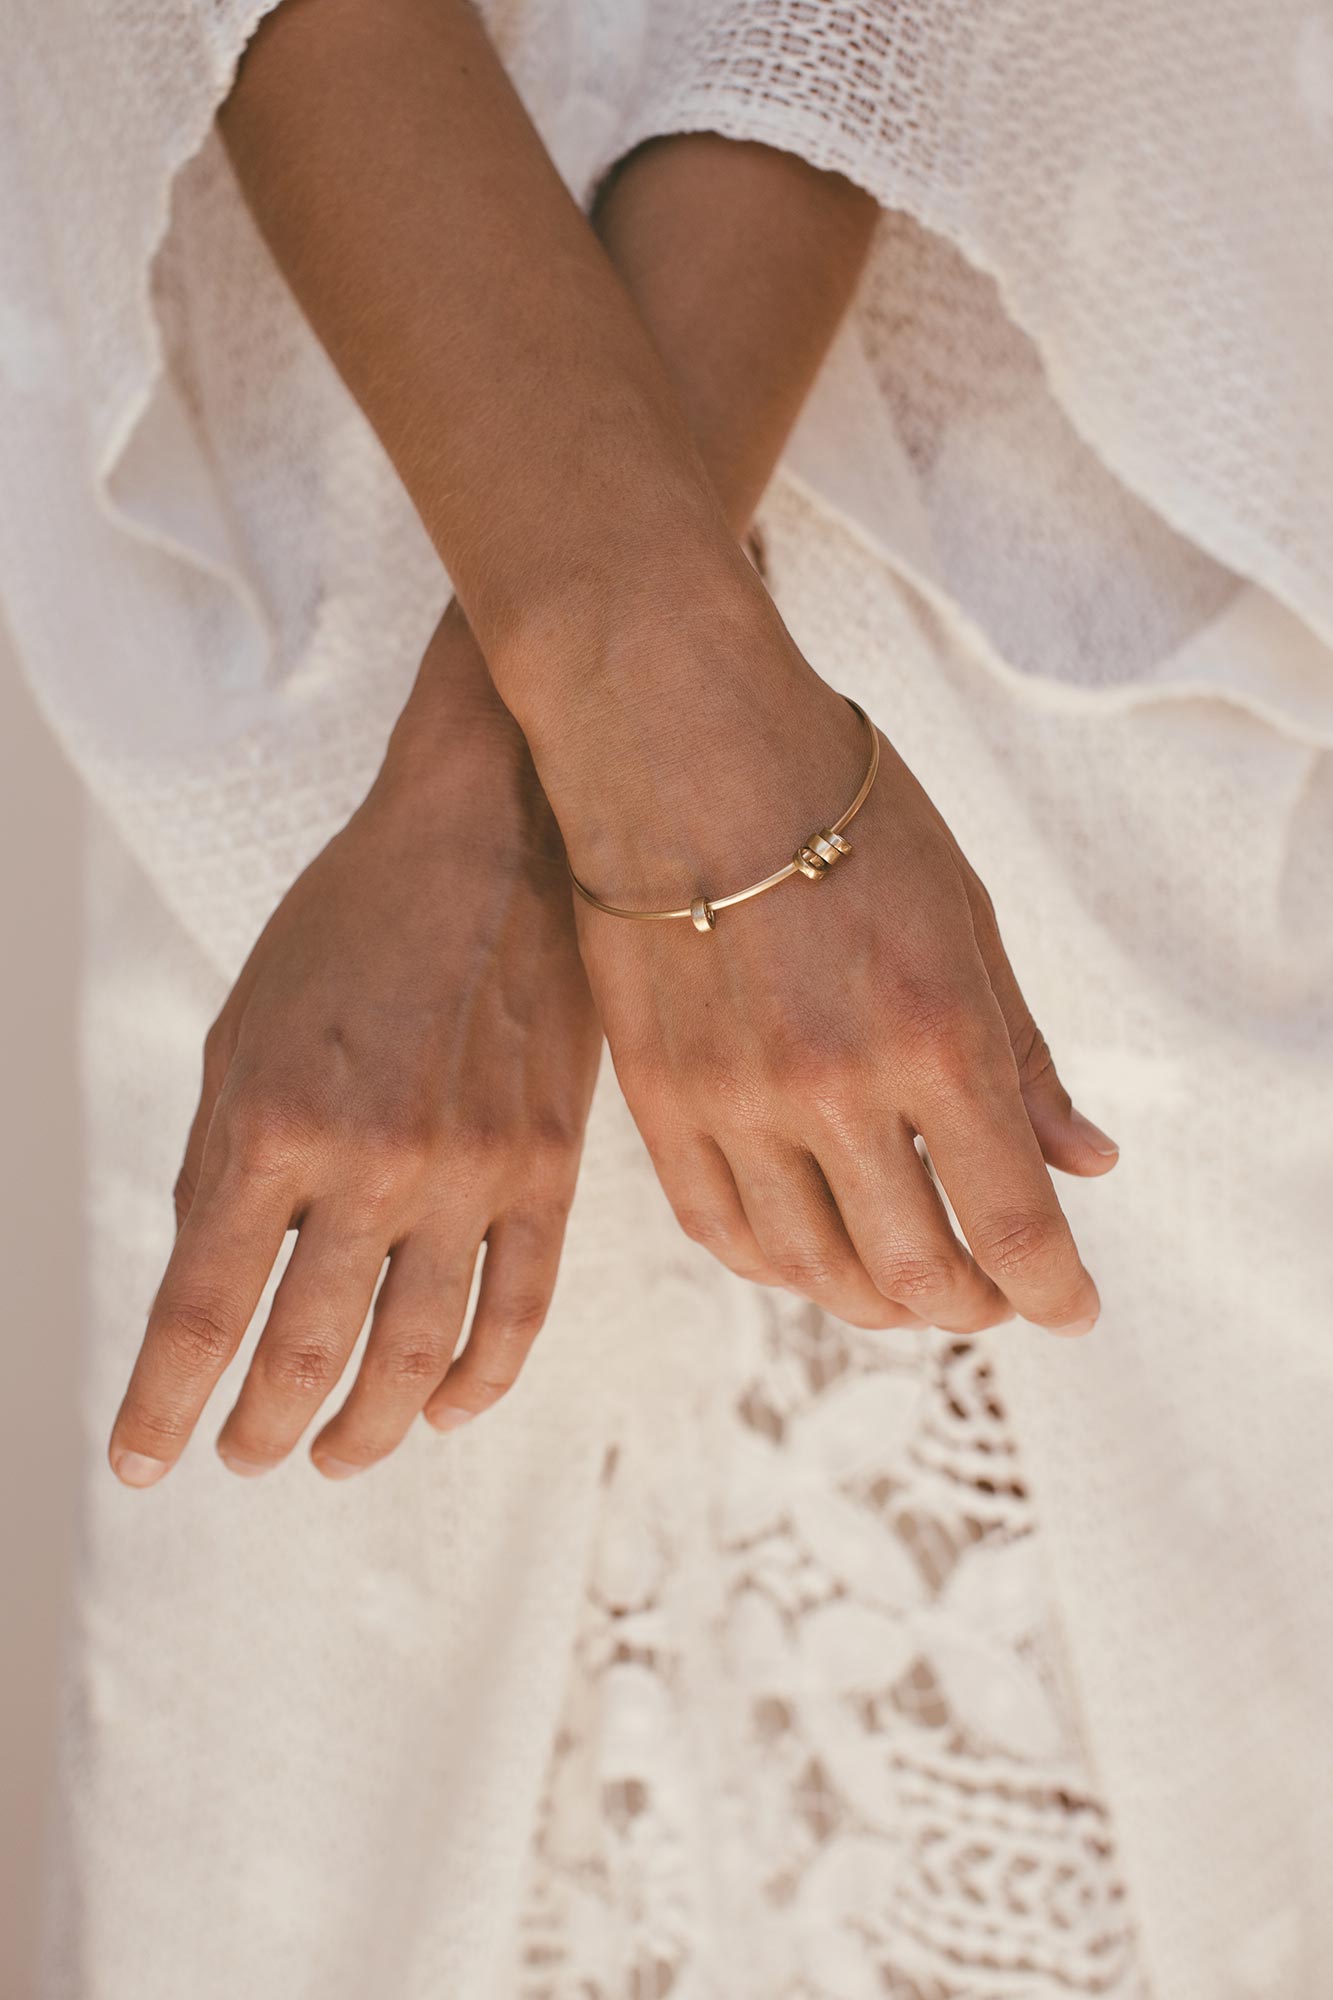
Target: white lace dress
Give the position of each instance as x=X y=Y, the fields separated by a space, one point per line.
x=902 y=1771
x=741 y=1654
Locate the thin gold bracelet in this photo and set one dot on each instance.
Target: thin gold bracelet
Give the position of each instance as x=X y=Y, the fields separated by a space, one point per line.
x=813 y=859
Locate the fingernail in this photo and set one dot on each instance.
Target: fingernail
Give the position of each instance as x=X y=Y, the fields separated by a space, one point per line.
x=1076 y=1326
x=132 y=1468
x=448 y=1418
x=1093 y=1135
x=245 y=1468
x=336 y=1468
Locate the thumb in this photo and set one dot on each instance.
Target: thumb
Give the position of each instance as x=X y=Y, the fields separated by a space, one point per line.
x=1068 y=1139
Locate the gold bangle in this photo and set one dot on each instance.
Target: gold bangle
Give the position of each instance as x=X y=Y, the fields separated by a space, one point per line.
x=813 y=859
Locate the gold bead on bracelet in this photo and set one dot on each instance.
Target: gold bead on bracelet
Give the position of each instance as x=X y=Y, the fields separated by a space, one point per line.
x=813 y=859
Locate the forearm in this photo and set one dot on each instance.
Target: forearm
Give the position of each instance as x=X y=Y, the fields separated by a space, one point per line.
x=481 y=327
x=468 y=306
x=742 y=262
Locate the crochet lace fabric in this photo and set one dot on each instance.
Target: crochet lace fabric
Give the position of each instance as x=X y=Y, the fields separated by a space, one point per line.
x=1085 y=156
x=905 y=1810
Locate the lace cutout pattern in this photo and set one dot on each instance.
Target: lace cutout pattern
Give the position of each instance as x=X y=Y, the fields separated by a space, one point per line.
x=859 y=1775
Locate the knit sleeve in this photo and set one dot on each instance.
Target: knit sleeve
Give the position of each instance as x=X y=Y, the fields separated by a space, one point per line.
x=1147 y=189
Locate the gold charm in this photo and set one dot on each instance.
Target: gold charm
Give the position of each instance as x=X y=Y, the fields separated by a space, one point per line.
x=701 y=914
x=828 y=845
x=820 y=852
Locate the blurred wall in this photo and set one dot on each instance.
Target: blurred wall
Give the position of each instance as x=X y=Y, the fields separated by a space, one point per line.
x=39 y=1208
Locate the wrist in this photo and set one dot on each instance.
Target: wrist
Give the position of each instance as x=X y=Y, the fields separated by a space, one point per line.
x=691 y=748
x=471 y=797
x=457 y=766
x=599 y=628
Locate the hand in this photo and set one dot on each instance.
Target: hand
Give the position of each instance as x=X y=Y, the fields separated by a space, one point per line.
x=783 y=1067
x=402 y=1071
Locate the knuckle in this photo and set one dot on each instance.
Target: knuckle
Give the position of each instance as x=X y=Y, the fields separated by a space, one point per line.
x=1019 y=1244
x=265 y=1134
x=803 y=1269
x=397 y=1143
x=519 y=1320
x=483 y=1143
x=302 y=1366
x=376 y=1183
x=967 y=1063
x=941 y=1043
x=912 y=1277
x=197 y=1335
x=735 y=1094
x=706 y=1227
x=413 y=1367
x=382 y=1187
x=928 y=1010
x=672 y=1096
x=479 y=1158
x=383 y=1156
x=810 y=1063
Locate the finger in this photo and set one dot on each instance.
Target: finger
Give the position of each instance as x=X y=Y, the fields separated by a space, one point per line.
x=699 y=1184
x=902 y=1234
x=801 y=1235
x=517 y=1281
x=985 y=1152
x=314 y=1322
x=212 y=1285
x=1067 y=1138
x=418 y=1318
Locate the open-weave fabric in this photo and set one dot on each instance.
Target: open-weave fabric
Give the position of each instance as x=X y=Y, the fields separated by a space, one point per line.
x=741 y=1655
x=902 y=1771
